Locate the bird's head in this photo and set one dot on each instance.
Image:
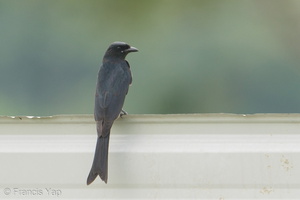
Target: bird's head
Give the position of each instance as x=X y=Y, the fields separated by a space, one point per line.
x=119 y=50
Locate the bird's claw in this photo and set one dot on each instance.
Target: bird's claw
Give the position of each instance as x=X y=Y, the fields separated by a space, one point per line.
x=123 y=112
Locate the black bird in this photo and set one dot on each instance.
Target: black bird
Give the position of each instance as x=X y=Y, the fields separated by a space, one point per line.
x=114 y=78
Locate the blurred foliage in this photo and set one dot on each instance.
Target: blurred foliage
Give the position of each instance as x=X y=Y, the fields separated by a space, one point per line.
x=195 y=55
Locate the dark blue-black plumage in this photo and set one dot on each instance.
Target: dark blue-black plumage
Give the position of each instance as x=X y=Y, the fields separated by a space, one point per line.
x=113 y=81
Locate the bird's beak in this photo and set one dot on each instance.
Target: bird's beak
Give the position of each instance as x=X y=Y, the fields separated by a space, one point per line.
x=131 y=49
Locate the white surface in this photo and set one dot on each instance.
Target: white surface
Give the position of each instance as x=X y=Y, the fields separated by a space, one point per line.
x=216 y=156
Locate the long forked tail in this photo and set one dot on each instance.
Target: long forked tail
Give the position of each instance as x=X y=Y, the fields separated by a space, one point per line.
x=100 y=162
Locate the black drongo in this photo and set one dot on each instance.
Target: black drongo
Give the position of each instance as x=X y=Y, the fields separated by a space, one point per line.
x=114 y=78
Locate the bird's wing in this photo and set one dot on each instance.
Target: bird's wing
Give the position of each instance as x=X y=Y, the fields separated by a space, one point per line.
x=112 y=88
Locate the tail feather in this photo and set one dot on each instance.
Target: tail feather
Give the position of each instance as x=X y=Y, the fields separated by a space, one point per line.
x=100 y=163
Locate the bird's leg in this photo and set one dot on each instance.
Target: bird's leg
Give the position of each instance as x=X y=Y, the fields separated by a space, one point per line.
x=123 y=112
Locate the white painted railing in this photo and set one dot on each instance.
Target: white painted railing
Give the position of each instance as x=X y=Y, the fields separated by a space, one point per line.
x=195 y=156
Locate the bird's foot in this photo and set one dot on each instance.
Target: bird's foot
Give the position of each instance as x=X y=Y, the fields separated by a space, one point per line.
x=123 y=112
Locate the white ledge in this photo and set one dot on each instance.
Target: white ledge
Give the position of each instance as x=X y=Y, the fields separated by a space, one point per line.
x=209 y=156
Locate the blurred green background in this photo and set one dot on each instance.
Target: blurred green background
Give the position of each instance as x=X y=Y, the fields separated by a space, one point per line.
x=196 y=56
